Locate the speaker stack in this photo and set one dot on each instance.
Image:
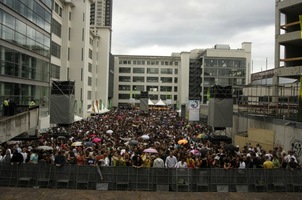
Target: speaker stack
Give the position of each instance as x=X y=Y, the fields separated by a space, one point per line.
x=62 y=102
x=220 y=114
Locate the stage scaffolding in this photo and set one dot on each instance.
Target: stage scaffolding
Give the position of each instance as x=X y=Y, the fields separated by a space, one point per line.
x=276 y=101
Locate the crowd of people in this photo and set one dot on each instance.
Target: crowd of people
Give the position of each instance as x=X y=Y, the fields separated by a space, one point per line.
x=129 y=137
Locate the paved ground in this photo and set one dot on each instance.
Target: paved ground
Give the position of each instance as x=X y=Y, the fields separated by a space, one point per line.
x=13 y=193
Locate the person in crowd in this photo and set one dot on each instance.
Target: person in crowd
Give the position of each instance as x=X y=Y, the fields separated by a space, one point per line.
x=17 y=157
x=60 y=159
x=33 y=158
x=181 y=164
x=268 y=164
x=170 y=161
x=158 y=162
x=276 y=161
x=137 y=161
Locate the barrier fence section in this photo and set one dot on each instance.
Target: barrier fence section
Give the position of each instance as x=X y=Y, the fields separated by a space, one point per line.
x=150 y=179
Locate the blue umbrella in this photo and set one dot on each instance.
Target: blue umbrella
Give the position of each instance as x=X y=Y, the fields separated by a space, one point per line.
x=88 y=143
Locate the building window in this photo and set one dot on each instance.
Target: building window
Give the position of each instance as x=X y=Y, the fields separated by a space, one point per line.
x=175 y=71
x=89 y=81
x=90 y=53
x=89 y=95
x=69 y=16
x=68 y=53
x=56 y=28
x=55 y=49
x=124 y=79
x=83 y=34
x=55 y=71
x=175 y=89
x=165 y=88
x=124 y=87
x=166 y=71
x=175 y=79
x=166 y=79
x=152 y=70
x=152 y=79
x=124 y=96
x=124 y=70
x=69 y=32
x=89 y=67
x=138 y=79
x=139 y=70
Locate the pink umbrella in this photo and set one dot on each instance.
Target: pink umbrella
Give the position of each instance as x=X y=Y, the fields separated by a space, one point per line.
x=150 y=150
x=96 y=140
x=195 y=152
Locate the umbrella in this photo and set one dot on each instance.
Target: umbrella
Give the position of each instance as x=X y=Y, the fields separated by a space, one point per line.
x=76 y=144
x=61 y=137
x=88 y=143
x=145 y=137
x=125 y=139
x=150 y=150
x=96 y=140
x=109 y=131
x=133 y=142
x=45 y=148
x=202 y=135
x=183 y=141
x=195 y=152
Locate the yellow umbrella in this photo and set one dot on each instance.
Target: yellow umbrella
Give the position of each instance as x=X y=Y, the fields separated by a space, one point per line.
x=183 y=141
x=76 y=144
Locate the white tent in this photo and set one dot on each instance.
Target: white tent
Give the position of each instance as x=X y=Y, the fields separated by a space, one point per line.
x=150 y=103
x=160 y=103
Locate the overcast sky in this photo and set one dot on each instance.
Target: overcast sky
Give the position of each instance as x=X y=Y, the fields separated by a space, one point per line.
x=161 y=27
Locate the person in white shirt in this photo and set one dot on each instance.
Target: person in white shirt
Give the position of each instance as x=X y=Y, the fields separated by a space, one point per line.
x=241 y=163
x=158 y=162
x=170 y=161
x=181 y=164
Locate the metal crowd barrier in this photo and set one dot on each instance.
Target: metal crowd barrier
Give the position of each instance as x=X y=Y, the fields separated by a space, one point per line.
x=150 y=179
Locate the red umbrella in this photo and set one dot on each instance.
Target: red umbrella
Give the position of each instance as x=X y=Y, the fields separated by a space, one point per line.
x=96 y=140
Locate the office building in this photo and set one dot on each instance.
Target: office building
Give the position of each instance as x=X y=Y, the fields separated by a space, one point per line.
x=182 y=76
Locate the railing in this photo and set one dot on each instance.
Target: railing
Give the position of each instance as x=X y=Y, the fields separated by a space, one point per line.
x=150 y=179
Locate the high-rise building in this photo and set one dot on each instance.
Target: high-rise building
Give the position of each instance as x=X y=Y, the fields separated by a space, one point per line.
x=84 y=55
x=25 y=35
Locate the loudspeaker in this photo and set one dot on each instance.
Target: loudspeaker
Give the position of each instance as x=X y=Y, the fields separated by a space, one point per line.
x=217 y=91
x=61 y=109
x=220 y=112
x=62 y=87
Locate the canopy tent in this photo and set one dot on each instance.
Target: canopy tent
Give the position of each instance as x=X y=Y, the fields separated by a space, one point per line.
x=150 y=103
x=160 y=103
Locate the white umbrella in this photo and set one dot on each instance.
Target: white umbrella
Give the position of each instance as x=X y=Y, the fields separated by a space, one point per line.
x=145 y=137
x=45 y=148
x=109 y=131
x=76 y=144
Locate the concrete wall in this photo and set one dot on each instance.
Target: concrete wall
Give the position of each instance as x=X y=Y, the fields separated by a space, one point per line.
x=13 y=126
x=285 y=133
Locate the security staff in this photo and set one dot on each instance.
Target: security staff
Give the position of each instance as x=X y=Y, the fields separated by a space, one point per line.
x=5 y=107
x=32 y=103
